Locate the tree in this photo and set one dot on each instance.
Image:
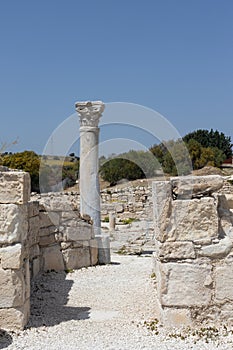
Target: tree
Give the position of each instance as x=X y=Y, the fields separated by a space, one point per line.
x=131 y=165
x=159 y=152
x=173 y=156
x=27 y=161
x=211 y=139
x=195 y=150
x=116 y=169
x=49 y=171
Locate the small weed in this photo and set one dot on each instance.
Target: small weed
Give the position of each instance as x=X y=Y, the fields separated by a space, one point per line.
x=206 y=334
x=153 y=275
x=69 y=271
x=128 y=221
x=122 y=250
x=106 y=219
x=152 y=326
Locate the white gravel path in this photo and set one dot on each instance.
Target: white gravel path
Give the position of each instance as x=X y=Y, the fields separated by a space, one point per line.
x=100 y=308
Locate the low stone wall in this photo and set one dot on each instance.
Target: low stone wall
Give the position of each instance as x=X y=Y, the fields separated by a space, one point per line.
x=135 y=202
x=46 y=233
x=194 y=255
x=66 y=240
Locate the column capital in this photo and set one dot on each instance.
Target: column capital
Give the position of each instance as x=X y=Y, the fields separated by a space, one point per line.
x=89 y=112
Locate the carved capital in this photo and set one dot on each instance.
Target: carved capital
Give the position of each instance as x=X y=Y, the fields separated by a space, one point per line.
x=89 y=112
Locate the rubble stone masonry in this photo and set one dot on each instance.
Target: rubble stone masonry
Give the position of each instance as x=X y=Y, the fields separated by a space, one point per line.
x=193 y=219
x=38 y=235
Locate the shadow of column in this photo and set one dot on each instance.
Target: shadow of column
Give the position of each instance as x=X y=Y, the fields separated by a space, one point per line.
x=5 y=339
x=49 y=296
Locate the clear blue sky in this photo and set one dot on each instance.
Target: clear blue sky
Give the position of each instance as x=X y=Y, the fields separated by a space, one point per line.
x=174 y=56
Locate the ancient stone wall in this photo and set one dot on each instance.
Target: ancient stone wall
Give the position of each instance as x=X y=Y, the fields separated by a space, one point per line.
x=14 y=253
x=194 y=255
x=66 y=240
x=40 y=234
x=135 y=202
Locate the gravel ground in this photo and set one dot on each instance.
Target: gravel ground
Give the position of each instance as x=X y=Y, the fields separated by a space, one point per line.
x=100 y=308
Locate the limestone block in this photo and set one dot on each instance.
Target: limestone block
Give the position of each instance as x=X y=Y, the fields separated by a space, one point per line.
x=229 y=198
x=59 y=203
x=12 y=291
x=15 y=187
x=185 y=187
x=192 y=220
x=83 y=231
x=52 y=258
x=27 y=279
x=77 y=258
x=217 y=251
x=13 y=223
x=11 y=257
x=12 y=319
x=176 y=250
x=34 y=251
x=33 y=234
x=161 y=193
x=226 y=312
x=46 y=231
x=33 y=208
x=49 y=219
x=75 y=222
x=119 y=208
x=172 y=317
x=69 y=215
x=183 y=284
x=34 y=224
x=47 y=240
x=224 y=282
x=162 y=201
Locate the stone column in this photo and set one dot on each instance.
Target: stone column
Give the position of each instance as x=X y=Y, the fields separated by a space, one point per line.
x=112 y=221
x=90 y=113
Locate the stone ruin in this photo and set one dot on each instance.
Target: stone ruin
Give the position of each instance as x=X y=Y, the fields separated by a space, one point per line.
x=36 y=236
x=193 y=236
x=51 y=232
x=194 y=256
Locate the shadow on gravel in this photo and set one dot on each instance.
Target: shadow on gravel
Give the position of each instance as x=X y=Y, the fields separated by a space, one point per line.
x=5 y=339
x=49 y=296
x=115 y=263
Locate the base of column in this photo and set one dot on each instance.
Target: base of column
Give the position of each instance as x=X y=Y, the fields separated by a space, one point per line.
x=104 y=256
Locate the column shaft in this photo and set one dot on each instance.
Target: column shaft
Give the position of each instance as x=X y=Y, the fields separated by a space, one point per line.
x=89 y=178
